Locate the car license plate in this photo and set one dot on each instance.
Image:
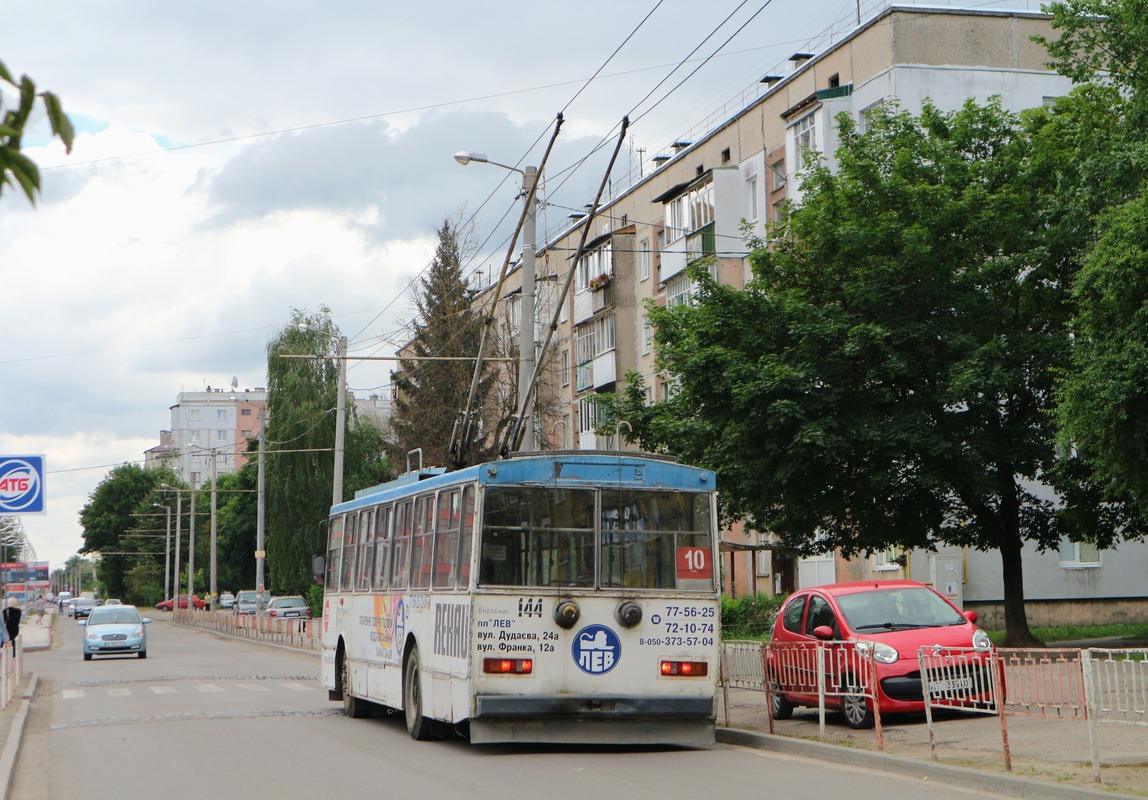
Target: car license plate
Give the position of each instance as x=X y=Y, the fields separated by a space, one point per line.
x=291 y=614
x=950 y=685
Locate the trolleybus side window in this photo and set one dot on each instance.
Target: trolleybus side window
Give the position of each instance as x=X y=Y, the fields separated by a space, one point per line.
x=656 y=540
x=449 y=520
x=466 y=537
x=350 y=540
x=382 y=546
x=537 y=537
x=366 y=551
x=334 y=552
x=401 y=559
x=423 y=542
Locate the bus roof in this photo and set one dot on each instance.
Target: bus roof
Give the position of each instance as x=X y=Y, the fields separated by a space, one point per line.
x=568 y=468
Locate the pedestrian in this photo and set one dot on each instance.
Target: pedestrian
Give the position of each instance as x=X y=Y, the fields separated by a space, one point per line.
x=12 y=620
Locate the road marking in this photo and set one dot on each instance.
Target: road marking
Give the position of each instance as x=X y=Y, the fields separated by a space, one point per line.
x=119 y=692
x=298 y=687
x=163 y=689
x=209 y=687
x=253 y=687
x=73 y=694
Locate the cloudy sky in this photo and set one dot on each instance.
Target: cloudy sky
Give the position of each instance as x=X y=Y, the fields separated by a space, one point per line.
x=237 y=160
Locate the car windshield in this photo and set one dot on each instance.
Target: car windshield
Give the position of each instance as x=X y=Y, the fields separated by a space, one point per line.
x=114 y=616
x=85 y=602
x=897 y=609
x=291 y=602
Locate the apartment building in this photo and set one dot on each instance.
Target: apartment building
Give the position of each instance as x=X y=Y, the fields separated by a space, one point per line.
x=213 y=425
x=703 y=196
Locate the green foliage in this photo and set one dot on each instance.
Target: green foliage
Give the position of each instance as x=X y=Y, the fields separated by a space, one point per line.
x=302 y=395
x=749 y=617
x=887 y=377
x=431 y=394
x=314 y=597
x=14 y=165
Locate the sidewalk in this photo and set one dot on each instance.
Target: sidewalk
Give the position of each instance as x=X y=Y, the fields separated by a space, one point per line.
x=36 y=634
x=1050 y=757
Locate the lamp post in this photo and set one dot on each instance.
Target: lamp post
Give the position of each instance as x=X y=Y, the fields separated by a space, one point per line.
x=178 y=522
x=166 y=550
x=526 y=321
x=340 y=410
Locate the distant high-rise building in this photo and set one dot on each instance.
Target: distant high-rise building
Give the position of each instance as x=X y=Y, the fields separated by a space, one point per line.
x=211 y=424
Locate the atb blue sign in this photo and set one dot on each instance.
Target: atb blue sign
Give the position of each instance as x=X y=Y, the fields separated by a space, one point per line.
x=596 y=649
x=22 y=485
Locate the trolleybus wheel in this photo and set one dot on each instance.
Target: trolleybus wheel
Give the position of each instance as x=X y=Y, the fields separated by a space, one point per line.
x=352 y=706
x=419 y=727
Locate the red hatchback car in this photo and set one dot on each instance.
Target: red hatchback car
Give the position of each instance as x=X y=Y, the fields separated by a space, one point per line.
x=196 y=602
x=895 y=618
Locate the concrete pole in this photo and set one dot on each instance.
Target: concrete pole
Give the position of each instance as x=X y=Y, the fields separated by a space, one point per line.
x=260 y=514
x=526 y=321
x=340 y=424
x=214 y=481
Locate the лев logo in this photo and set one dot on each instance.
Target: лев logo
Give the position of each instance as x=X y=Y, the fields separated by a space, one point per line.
x=20 y=487
x=596 y=649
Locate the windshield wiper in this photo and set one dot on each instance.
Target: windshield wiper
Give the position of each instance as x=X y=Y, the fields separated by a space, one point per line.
x=892 y=626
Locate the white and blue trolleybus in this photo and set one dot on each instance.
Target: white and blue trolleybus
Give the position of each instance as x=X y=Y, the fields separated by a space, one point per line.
x=550 y=597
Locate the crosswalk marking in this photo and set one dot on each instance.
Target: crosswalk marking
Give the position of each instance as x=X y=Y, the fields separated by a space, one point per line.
x=163 y=689
x=73 y=694
x=205 y=688
x=253 y=687
x=119 y=692
x=298 y=687
x=209 y=687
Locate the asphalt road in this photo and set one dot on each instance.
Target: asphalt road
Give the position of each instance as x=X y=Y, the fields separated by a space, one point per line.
x=204 y=716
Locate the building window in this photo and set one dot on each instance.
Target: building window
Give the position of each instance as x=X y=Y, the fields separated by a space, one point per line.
x=777 y=176
x=592 y=265
x=564 y=366
x=245 y=433
x=194 y=414
x=588 y=414
x=725 y=156
x=679 y=291
x=1078 y=554
x=647 y=335
x=195 y=437
x=221 y=436
x=887 y=560
x=221 y=415
x=644 y=259
x=751 y=198
x=804 y=140
x=245 y=412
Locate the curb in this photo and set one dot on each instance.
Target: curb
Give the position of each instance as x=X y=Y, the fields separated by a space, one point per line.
x=15 y=735
x=1003 y=784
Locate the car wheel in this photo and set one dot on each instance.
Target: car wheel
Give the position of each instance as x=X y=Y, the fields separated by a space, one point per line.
x=352 y=706
x=143 y=653
x=87 y=656
x=779 y=704
x=857 y=712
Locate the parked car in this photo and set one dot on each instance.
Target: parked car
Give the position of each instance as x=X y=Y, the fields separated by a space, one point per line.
x=114 y=630
x=895 y=618
x=81 y=607
x=290 y=606
x=167 y=605
x=226 y=600
x=247 y=602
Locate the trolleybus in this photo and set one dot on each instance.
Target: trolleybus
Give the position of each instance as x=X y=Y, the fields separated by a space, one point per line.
x=552 y=597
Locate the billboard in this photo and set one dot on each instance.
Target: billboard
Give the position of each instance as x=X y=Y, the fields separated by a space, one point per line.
x=22 y=485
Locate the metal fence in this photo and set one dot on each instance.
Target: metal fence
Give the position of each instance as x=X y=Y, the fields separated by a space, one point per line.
x=304 y=634
x=1094 y=685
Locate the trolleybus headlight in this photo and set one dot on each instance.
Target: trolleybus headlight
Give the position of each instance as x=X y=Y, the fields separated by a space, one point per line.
x=629 y=614
x=566 y=614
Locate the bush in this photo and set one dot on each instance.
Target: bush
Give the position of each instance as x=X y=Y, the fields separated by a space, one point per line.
x=749 y=617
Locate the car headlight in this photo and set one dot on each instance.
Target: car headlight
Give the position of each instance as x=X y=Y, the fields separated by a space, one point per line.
x=91 y=635
x=138 y=632
x=882 y=653
x=981 y=641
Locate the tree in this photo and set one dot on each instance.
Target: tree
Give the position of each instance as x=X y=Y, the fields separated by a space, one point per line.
x=302 y=396
x=1104 y=45
x=111 y=517
x=432 y=394
x=14 y=165
x=887 y=376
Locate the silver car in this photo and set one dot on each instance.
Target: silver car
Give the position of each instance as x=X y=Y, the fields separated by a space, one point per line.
x=114 y=630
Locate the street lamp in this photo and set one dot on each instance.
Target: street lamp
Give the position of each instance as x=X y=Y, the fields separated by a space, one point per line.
x=526 y=322
x=340 y=410
x=166 y=550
